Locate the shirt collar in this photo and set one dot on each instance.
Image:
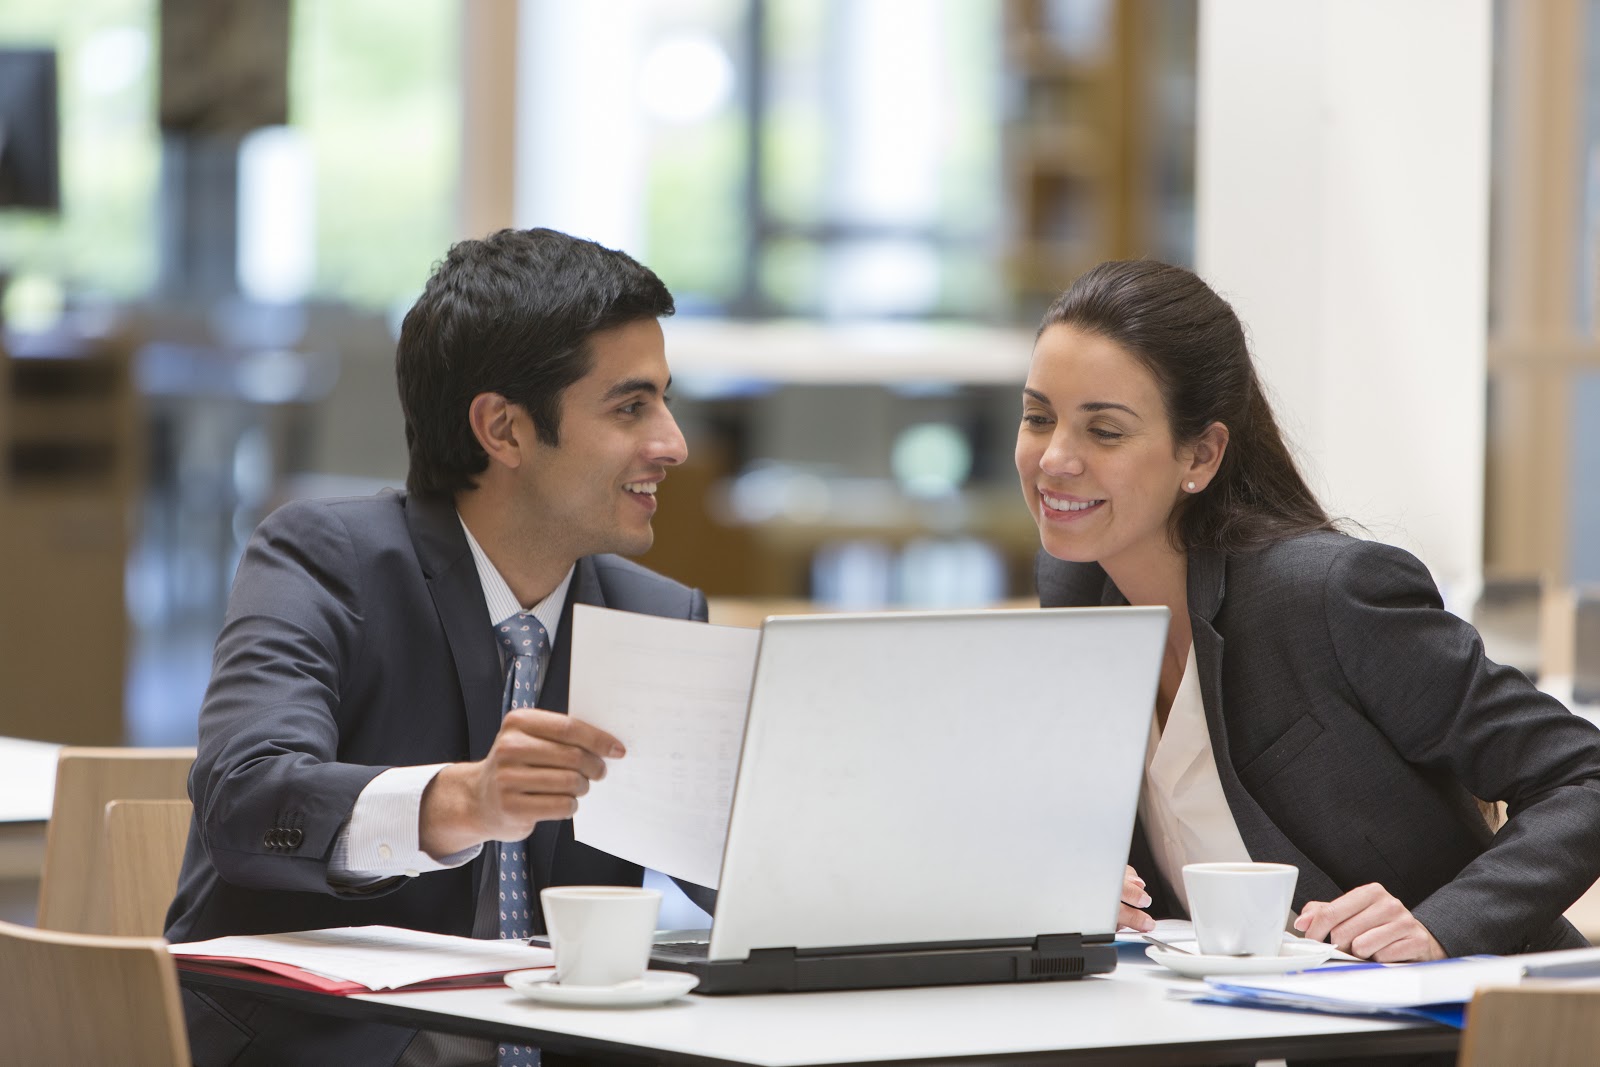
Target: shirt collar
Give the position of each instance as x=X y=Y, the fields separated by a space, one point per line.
x=501 y=603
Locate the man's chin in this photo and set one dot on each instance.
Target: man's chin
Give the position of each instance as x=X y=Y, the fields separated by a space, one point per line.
x=634 y=545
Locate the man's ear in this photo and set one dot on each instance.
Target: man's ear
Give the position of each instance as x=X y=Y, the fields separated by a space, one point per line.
x=500 y=433
x=1205 y=456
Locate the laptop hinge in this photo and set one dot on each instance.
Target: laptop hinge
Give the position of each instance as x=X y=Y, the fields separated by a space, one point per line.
x=1055 y=956
x=1058 y=944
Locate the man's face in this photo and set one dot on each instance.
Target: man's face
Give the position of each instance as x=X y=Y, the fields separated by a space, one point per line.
x=595 y=492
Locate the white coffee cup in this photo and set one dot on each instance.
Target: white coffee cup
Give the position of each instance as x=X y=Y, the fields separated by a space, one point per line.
x=1240 y=908
x=601 y=934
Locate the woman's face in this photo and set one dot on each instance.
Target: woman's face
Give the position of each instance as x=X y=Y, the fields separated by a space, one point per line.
x=1099 y=468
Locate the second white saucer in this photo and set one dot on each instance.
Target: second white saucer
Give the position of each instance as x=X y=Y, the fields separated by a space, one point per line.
x=1293 y=956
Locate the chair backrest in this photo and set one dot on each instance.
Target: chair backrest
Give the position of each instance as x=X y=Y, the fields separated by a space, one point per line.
x=144 y=842
x=84 y=998
x=73 y=892
x=1536 y=1024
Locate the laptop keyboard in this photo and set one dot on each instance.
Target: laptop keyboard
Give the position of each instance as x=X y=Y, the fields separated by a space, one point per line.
x=688 y=950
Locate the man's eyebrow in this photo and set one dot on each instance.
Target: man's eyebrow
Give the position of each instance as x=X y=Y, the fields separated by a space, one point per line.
x=632 y=385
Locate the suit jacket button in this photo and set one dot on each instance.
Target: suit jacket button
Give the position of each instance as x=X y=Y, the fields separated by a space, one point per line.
x=294 y=838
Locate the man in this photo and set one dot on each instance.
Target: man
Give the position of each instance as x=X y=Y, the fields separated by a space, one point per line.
x=369 y=725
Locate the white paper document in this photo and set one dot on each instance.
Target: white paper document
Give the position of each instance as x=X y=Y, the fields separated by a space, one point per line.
x=674 y=692
x=1373 y=987
x=378 y=957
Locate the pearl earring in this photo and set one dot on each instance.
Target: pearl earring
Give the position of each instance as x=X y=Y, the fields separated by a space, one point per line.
x=1191 y=487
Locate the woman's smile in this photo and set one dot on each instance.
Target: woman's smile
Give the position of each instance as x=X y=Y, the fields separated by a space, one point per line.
x=1064 y=507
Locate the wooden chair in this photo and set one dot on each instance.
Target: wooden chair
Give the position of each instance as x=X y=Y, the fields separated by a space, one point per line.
x=73 y=889
x=144 y=842
x=1536 y=1024
x=83 y=998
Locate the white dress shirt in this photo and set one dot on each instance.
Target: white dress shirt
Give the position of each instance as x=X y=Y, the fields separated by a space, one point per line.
x=380 y=839
x=1185 y=814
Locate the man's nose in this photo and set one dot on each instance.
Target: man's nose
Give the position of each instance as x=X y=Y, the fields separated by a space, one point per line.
x=670 y=447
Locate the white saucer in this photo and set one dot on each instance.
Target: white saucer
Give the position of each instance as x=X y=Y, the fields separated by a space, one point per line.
x=656 y=987
x=1295 y=955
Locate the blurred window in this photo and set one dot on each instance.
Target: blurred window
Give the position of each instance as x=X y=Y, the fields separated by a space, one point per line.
x=104 y=240
x=833 y=158
x=879 y=159
x=374 y=90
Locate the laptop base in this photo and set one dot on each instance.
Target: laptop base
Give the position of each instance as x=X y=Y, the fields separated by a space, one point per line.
x=785 y=970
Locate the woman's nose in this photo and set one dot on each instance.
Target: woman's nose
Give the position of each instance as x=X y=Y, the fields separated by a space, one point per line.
x=1061 y=458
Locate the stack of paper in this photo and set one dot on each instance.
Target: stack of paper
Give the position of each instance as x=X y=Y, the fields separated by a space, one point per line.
x=361 y=959
x=1439 y=990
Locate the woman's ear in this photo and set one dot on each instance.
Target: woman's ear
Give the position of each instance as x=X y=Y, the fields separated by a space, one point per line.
x=1203 y=456
x=494 y=423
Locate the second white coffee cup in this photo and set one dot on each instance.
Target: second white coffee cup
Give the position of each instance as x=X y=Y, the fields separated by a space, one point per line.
x=601 y=934
x=1239 y=908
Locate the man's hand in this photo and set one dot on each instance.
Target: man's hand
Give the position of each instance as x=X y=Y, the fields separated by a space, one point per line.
x=1134 y=897
x=540 y=763
x=1369 y=922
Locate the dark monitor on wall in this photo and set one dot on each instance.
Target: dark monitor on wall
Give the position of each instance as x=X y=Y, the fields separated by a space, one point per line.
x=30 y=174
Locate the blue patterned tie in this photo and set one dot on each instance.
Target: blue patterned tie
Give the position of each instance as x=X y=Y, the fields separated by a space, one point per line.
x=523 y=640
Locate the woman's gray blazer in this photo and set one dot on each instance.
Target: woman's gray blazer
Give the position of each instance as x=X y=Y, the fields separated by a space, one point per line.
x=1354 y=720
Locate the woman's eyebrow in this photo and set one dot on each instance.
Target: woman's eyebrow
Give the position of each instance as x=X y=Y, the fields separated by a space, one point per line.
x=1106 y=405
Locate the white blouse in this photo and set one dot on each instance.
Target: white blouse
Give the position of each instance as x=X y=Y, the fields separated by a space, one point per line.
x=1185 y=814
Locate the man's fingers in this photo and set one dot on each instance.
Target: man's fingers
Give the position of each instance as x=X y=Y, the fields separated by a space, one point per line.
x=543 y=781
x=565 y=730
x=538 y=766
x=526 y=810
x=526 y=754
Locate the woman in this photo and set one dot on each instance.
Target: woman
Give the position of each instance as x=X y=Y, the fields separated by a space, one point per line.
x=1317 y=706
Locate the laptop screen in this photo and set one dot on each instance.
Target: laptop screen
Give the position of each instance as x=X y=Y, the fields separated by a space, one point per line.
x=927 y=777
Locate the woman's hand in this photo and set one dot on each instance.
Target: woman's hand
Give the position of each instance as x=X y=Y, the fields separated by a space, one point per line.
x=1369 y=922
x=1133 y=898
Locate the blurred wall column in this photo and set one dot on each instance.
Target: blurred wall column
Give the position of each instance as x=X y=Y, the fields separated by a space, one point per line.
x=488 y=116
x=581 y=139
x=1342 y=204
x=1541 y=349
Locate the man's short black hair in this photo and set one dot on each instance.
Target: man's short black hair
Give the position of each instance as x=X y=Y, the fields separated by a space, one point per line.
x=509 y=314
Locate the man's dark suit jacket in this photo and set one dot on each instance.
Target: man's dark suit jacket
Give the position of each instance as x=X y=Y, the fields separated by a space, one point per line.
x=356 y=640
x=1353 y=722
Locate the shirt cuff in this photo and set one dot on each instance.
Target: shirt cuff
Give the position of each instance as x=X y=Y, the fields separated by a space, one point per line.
x=380 y=839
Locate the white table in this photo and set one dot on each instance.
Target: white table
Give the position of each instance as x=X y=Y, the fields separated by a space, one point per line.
x=27 y=791
x=1128 y=1017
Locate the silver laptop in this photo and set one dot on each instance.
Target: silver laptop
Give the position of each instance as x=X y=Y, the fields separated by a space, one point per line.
x=931 y=798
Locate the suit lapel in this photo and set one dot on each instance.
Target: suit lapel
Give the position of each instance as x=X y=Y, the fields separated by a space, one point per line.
x=1261 y=836
x=452 y=579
